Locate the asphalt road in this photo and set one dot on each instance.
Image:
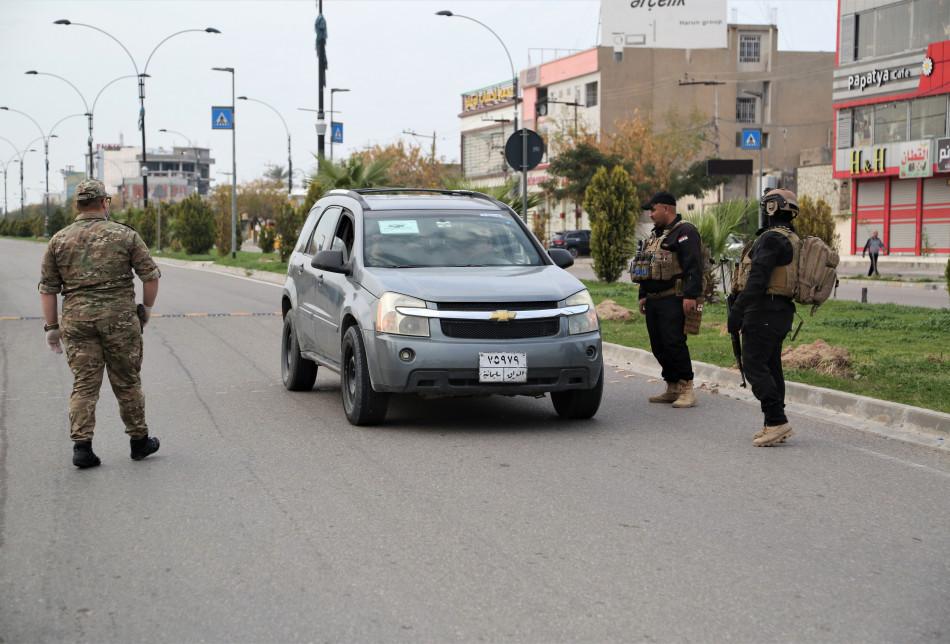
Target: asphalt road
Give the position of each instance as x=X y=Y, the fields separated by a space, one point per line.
x=265 y=517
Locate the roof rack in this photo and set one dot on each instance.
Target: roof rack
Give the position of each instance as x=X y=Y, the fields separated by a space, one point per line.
x=358 y=194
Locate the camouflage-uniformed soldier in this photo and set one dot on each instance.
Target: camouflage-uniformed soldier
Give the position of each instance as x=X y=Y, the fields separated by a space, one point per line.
x=91 y=262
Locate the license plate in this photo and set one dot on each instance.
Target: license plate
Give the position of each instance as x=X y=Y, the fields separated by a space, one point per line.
x=503 y=367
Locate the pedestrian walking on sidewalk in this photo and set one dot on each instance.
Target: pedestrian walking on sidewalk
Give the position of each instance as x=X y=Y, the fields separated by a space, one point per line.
x=873 y=246
x=762 y=309
x=671 y=280
x=90 y=262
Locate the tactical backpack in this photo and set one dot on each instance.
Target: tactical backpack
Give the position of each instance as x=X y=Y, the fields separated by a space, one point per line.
x=815 y=279
x=817 y=274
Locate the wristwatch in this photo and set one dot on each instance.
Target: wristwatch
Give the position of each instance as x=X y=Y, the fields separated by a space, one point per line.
x=51 y=327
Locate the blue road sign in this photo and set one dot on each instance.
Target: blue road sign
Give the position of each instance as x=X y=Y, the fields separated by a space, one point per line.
x=751 y=139
x=336 y=130
x=222 y=118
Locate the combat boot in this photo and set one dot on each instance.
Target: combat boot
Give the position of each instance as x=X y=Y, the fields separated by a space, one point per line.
x=687 y=397
x=83 y=456
x=670 y=395
x=773 y=434
x=761 y=433
x=142 y=447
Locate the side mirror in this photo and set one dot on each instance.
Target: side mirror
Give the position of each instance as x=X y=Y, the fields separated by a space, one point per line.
x=330 y=260
x=561 y=257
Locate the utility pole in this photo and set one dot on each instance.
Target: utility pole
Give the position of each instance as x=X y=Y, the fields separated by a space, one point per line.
x=687 y=81
x=428 y=136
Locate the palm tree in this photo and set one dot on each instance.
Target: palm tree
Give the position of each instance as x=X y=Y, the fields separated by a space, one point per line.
x=277 y=174
x=353 y=174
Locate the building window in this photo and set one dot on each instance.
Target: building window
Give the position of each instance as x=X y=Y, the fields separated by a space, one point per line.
x=745 y=110
x=892 y=33
x=890 y=123
x=750 y=48
x=928 y=118
x=862 y=125
x=930 y=22
x=590 y=89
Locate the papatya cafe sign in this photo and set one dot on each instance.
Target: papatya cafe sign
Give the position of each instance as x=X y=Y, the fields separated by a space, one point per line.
x=488 y=97
x=877 y=77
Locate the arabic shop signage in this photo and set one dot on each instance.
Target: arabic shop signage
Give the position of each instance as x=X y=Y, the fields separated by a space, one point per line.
x=488 y=97
x=943 y=155
x=915 y=160
x=877 y=77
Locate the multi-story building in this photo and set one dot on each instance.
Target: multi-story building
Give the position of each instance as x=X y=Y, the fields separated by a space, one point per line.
x=172 y=175
x=748 y=84
x=891 y=90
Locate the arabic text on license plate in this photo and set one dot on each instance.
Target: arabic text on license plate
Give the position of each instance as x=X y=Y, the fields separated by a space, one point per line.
x=503 y=367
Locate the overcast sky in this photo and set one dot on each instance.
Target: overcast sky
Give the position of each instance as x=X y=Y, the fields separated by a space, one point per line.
x=405 y=68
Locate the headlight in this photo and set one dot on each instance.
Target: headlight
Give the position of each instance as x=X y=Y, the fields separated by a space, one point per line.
x=389 y=320
x=582 y=322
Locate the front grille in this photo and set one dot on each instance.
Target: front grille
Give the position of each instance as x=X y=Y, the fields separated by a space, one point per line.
x=496 y=306
x=493 y=330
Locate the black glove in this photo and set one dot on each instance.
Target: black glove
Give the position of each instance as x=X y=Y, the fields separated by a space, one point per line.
x=734 y=323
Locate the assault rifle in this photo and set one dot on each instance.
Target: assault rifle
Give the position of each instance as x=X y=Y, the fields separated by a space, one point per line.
x=736 y=345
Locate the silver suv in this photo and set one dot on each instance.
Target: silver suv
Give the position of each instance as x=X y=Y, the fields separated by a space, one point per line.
x=437 y=293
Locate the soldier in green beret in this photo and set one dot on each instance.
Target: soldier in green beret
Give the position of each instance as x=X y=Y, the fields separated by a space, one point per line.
x=90 y=263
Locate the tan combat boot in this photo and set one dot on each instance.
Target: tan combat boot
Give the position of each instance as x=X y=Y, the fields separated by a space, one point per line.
x=687 y=397
x=772 y=434
x=761 y=433
x=670 y=395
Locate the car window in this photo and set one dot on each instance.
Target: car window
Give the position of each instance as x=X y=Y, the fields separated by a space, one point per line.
x=343 y=237
x=449 y=238
x=321 y=238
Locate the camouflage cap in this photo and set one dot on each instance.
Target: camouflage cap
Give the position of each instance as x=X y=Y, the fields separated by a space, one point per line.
x=90 y=189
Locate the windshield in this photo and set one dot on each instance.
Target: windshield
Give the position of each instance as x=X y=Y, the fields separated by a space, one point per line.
x=446 y=238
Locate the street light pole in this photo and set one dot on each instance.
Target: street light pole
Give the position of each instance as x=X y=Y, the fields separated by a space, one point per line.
x=333 y=90
x=524 y=133
x=230 y=70
x=290 y=163
x=141 y=76
x=45 y=138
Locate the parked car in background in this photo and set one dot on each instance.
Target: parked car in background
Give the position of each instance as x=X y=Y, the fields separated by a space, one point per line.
x=576 y=242
x=436 y=293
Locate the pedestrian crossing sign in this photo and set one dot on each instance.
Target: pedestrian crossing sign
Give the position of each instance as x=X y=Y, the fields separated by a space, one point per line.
x=222 y=118
x=751 y=139
x=336 y=132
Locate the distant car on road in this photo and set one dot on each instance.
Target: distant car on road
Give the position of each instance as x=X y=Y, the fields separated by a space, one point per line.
x=576 y=242
x=437 y=293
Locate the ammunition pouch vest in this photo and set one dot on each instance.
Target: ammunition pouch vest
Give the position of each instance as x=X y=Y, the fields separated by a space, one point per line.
x=654 y=263
x=783 y=280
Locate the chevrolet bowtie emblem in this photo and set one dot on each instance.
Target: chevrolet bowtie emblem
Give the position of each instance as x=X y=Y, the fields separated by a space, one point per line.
x=503 y=316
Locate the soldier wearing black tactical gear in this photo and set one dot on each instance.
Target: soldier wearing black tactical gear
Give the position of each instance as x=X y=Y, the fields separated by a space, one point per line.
x=762 y=309
x=669 y=270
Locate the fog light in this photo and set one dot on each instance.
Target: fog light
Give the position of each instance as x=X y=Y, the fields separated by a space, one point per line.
x=591 y=352
x=406 y=355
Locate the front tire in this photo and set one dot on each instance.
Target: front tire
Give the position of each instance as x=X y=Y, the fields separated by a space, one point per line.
x=298 y=373
x=579 y=404
x=362 y=405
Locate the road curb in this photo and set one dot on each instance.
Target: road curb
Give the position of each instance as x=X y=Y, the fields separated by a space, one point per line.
x=892 y=420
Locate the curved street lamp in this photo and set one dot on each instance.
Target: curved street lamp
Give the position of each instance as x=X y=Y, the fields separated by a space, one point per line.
x=524 y=134
x=89 y=110
x=45 y=138
x=141 y=76
x=290 y=163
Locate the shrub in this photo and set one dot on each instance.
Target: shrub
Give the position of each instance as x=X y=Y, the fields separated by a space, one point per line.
x=814 y=218
x=288 y=228
x=611 y=203
x=195 y=225
x=266 y=240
